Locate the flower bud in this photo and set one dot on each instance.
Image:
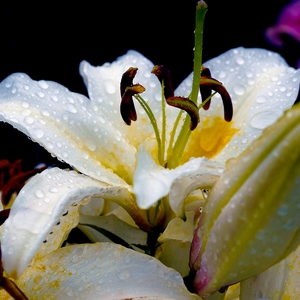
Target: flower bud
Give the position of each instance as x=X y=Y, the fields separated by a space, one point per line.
x=251 y=219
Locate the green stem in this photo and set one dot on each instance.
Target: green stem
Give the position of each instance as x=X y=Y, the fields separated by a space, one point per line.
x=163 y=127
x=201 y=10
x=172 y=137
x=185 y=131
x=153 y=122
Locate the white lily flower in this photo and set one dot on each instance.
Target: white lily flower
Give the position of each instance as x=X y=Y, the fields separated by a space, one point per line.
x=90 y=135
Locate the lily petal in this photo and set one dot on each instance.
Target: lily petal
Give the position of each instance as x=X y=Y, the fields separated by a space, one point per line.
x=46 y=209
x=281 y=281
x=251 y=219
x=102 y=271
x=261 y=85
x=152 y=181
x=104 y=83
x=111 y=223
x=68 y=125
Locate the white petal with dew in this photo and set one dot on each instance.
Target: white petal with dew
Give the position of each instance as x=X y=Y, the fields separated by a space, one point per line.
x=261 y=85
x=152 y=181
x=102 y=271
x=103 y=84
x=281 y=281
x=111 y=223
x=46 y=209
x=68 y=126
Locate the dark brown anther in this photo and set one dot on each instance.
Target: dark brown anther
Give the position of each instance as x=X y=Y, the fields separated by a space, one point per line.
x=187 y=105
x=127 y=108
x=127 y=79
x=218 y=87
x=164 y=77
x=205 y=91
x=128 y=89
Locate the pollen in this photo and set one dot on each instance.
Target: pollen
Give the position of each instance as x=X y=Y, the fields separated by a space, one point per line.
x=209 y=138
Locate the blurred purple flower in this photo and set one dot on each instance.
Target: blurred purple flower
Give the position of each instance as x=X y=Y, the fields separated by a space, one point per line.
x=288 y=24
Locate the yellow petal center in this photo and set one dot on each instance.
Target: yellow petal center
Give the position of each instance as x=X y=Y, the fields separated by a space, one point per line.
x=209 y=138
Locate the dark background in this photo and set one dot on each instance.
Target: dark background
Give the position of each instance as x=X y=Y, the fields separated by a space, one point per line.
x=49 y=41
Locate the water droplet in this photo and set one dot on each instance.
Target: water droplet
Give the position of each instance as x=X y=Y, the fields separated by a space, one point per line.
x=283 y=211
x=25 y=104
x=261 y=99
x=226 y=180
x=39 y=194
x=29 y=120
x=91 y=145
x=53 y=189
x=8 y=83
x=239 y=89
x=37 y=133
x=54 y=98
x=101 y=119
x=40 y=94
x=109 y=86
x=240 y=60
x=222 y=74
x=43 y=84
x=282 y=89
x=26 y=112
x=268 y=252
x=14 y=90
x=124 y=275
x=45 y=113
x=85 y=155
x=71 y=108
x=263 y=119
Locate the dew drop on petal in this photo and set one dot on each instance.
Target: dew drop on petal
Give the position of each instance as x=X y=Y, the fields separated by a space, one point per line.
x=261 y=99
x=29 y=120
x=37 y=133
x=54 y=98
x=109 y=86
x=40 y=94
x=239 y=89
x=240 y=60
x=43 y=84
x=53 y=189
x=39 y=194
x=263 y=119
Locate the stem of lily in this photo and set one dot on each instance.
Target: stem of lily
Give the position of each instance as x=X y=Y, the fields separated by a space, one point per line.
x=185 y=132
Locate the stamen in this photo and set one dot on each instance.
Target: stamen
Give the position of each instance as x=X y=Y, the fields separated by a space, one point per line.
x=127 y=107
x=187 y=105
x=213 y=84
x=127 y=90
x=127 y=79
x=205 y=91
x=165 y=79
